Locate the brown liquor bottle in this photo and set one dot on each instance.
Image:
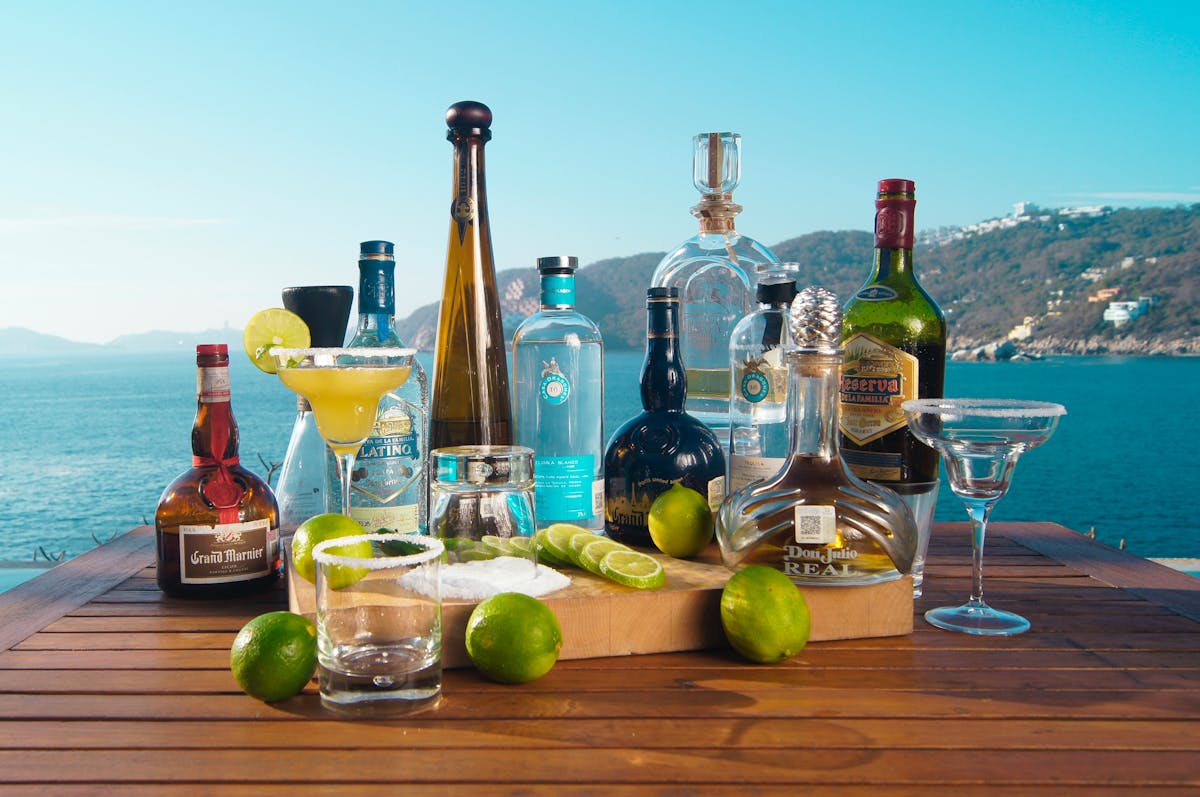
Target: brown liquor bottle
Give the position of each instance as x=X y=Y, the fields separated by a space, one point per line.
x=217 y=525
x=470 y=403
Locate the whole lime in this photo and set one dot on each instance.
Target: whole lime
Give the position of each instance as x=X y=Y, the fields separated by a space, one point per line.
x=764 y=615
x=681 y=522
x=513 y=638
x=274 y=655
x=316 y=530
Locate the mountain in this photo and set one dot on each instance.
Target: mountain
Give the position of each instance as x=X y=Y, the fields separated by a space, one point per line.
x=18 y=341
x=1039 y=278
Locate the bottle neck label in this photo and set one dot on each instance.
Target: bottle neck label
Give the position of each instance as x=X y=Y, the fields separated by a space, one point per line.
x=894 y=222
x=558 y=290
x=468 y=184
x=376 y=287
x=212 y=384
x=876 y=293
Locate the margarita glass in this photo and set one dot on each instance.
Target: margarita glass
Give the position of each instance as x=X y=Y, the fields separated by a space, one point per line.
x=980 y=441
x=344 y=386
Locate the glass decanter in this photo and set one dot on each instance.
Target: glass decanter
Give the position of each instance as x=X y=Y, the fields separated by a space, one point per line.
x=815 y=520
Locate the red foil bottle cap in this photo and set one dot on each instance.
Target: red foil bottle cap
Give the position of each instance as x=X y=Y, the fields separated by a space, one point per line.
x=220 y=349
x=895 y=210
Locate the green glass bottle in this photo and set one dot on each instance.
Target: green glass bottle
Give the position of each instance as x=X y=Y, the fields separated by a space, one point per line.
x=894 y=336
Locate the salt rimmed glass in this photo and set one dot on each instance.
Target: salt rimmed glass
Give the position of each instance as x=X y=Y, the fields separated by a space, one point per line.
x=980 y=441
x=344 y=387
x=379 y=623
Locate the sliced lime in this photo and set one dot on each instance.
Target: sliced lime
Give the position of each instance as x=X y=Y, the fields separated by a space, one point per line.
x=520 y=546
x=496 y=546
x=594 y=551
x=633 y=569
x=579 y=540
x=556 y=538
x=269 y=328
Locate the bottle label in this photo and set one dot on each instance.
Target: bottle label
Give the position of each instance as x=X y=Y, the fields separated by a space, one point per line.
x=876 y=379
x=558 y=290
x=212 y=384
x=401 y=518
x=376 y=287
x=716 y=492
x=815 y=525
x=227 y=552
x=554 y=387
x=760 y=380
x=565 y=488
x=743 y=470
x=876 y=293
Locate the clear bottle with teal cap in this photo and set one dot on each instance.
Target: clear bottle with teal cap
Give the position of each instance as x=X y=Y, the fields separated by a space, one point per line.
x=390 y=482
x=558 y=401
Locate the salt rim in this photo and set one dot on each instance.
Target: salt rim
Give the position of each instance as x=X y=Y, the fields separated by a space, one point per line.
x=991 y=408
x=432 y=545
x=279 y=352
x=480 y=579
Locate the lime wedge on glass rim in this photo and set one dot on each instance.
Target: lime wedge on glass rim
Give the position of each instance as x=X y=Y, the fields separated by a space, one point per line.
x=633 y=569
x=272 y=327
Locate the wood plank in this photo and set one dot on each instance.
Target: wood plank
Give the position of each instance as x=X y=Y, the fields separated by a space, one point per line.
x=703 y=765
x=430 y=731
x=31 y=606
x=397 y=788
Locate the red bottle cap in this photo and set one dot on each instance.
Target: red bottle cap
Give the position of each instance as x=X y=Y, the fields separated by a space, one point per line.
x=895 y=210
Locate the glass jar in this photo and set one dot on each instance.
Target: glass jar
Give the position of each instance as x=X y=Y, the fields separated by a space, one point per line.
x=482 y=502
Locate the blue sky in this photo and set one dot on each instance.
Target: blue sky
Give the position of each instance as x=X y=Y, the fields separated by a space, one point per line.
x=173 y=166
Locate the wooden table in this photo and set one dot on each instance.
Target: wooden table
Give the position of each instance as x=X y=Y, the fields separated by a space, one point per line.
x=106 y=687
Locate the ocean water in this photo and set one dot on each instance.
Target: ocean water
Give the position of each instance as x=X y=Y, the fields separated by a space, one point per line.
x=87 y=444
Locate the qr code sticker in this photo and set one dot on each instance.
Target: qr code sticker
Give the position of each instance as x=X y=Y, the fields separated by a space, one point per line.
x=815 y=525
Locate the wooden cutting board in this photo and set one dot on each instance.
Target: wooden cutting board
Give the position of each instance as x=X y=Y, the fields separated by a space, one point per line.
x=601 y=618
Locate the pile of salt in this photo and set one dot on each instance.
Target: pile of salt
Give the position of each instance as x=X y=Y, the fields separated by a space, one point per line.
x=483 y=578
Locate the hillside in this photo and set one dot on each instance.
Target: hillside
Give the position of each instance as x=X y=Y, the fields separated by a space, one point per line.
x=1035 y=270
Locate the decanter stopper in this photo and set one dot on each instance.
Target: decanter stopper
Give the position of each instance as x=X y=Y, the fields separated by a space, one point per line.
x=815 y=321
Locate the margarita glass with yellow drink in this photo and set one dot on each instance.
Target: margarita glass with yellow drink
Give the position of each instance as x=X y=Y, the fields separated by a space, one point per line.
x=344 y=386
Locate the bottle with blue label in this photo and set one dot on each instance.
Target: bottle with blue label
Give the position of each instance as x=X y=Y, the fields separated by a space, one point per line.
x=558 y=401
x=390 y=481
x=758 y=439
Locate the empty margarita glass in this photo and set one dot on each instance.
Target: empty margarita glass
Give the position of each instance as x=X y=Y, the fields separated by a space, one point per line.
x=980 y=441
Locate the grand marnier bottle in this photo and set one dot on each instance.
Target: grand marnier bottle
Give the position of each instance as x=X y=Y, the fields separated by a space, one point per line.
x=217 y=525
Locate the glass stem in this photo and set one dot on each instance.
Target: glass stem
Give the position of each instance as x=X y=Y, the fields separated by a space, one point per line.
x=978 y=513
x=345 y=465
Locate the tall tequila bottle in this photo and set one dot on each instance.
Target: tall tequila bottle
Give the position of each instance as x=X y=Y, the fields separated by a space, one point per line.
x=815 y=520
x=758 y=440
x=389 y=482
x=894 y=336
x=217 y=525
x=558 y=401
x=470 y=404
x=663 y=445
x=306 y=485
x=714 y=272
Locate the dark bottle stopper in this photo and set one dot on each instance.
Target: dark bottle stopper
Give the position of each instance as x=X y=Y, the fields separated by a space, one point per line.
x=775 y=290
x=469 y=118
x=325 y=308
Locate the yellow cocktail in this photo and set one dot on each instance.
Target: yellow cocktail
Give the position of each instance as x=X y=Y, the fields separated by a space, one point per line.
x=344 y=387
x=344 y=399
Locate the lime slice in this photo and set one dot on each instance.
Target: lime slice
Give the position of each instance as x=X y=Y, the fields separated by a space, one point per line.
x=520 y=546
x=633 y=569
x=556 y=538
x=273 y=327
x=496 y=546
x=580 y=540
x=545 y=557
x=594 y=551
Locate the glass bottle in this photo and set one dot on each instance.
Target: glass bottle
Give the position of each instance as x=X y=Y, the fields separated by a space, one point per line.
x=390 y=478
x=306 y=486
x=758 y=440
x=558 y=400
x=894 y=336
x=216 y=525
x=815 y=520
x=663 y=445
x=715 y=272
x=470 y=404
